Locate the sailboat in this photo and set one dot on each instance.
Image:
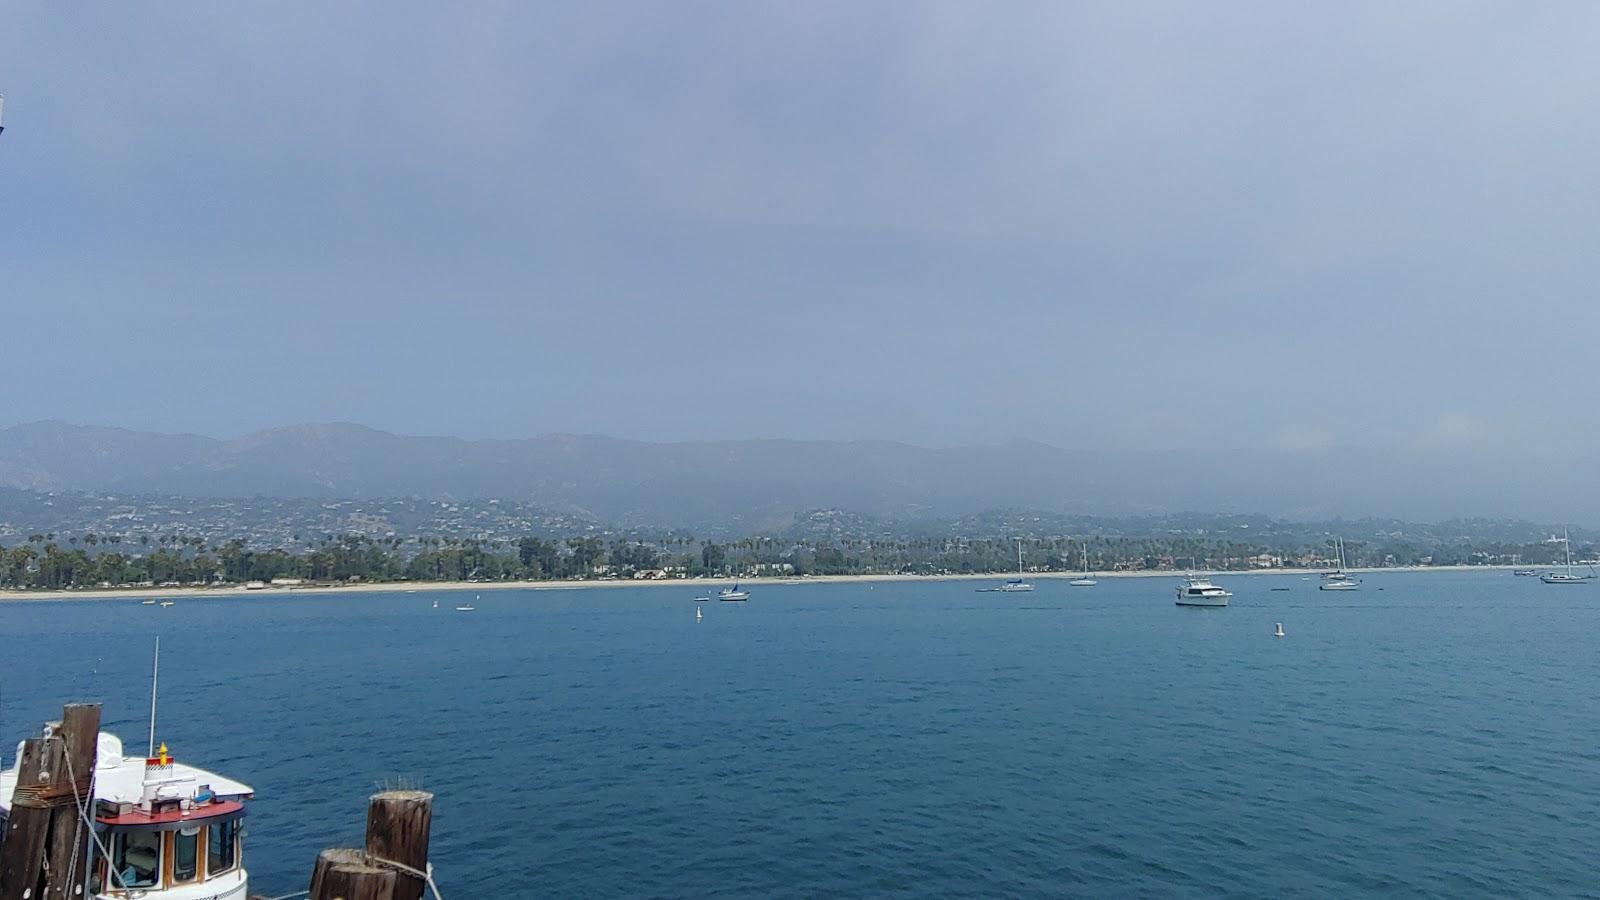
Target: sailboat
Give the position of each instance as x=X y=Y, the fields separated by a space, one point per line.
x=733 y=593
x=1339 y=579
x=1086 y=580
x=1565 y=577
x=1018 y=583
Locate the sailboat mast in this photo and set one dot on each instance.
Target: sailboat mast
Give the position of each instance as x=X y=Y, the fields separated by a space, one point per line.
x=1566 y=539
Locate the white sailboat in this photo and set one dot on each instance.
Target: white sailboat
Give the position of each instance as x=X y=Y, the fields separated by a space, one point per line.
x=1018 y=583
x=1086 y=579
x=733 y=593
x=1565 y=577
x=1339 y=579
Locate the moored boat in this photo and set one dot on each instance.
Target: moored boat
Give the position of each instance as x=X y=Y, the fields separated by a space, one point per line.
x=1565 y=577
x=1197 y=590
x=1017 y=584
x=1086 y=579
x=1339 y=579
x=163 y=830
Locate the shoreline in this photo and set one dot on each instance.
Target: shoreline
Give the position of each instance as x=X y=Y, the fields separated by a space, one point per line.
x=398 y=587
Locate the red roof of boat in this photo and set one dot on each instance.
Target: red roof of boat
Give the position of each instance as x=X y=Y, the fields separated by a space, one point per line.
x=169 y=816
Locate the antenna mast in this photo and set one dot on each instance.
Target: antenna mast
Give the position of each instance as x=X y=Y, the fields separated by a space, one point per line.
x=155 y=679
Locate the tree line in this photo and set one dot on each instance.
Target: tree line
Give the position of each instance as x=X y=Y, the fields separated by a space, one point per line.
x=44 y=562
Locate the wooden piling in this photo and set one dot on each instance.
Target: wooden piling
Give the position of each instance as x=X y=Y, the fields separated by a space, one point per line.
x=67 y=848
x=345 y=874
x=45 y=851
x=22 y=853
x=398 y=827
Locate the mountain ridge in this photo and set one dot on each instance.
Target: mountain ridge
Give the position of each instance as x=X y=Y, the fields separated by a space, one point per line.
x=753 y=483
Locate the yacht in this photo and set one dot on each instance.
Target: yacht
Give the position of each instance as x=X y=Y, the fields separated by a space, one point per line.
x=733 y=593
x=1565 y=577
x=1084 y=580
x=1018 y=583
x=1197 y=590
x=1339 y=579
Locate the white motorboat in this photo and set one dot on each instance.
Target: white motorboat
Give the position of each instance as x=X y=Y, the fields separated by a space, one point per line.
x=1197 y=590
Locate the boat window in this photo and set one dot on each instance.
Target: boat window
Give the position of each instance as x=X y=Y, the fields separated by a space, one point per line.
x=136 y=856
x=221 y=852
x=186 y=854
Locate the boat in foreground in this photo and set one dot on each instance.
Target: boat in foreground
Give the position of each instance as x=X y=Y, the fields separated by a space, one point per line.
x=163 y=830
x=1197 y=590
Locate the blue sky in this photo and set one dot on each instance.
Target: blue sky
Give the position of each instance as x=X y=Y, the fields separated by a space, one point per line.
x=1097 y=225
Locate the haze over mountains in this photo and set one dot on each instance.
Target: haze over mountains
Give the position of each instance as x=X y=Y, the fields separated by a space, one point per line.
x=757 y=483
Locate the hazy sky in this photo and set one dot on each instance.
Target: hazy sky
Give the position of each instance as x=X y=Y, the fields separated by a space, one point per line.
x=1098 y=224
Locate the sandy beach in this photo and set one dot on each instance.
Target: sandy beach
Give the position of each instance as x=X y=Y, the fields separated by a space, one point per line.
x=700 y=585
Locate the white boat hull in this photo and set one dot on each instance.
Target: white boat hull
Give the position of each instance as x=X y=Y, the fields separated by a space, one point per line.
x=223 y=888
x=1339 y=586
x=1204 y=601
x=1016 y=588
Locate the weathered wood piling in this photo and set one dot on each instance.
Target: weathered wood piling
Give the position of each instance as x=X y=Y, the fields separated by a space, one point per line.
x=44 y=853
x=394 y=862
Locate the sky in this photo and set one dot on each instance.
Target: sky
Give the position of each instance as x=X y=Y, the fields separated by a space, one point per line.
x=1098 y=225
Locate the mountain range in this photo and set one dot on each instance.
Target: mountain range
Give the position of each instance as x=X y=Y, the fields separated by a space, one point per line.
x=752 y=484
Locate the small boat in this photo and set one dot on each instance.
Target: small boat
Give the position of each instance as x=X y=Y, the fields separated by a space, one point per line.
x=165 y=603
x=702 y=599
x=1565 y=577
x=1084 y=580
x=468 y=607
x=1017 y=584
x=1339 y=579
x=1197 y=590
x=150 y=602
x=1524 y=571
x=733 y=594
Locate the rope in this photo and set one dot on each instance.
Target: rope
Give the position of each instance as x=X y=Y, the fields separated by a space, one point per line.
x=425 y=876
x=82 y=806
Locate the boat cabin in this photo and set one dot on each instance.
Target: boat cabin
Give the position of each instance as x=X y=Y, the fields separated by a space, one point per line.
x=163 y=830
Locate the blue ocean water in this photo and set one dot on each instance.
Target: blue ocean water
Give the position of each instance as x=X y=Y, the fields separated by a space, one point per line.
x=1434 y=733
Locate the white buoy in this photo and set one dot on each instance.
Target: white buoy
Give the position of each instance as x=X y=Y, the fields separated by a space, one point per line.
x=1279 y=632
x=435 y=604
x=698 y=615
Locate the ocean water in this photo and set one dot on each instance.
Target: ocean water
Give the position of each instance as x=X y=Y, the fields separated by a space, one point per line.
x=1434 y=734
